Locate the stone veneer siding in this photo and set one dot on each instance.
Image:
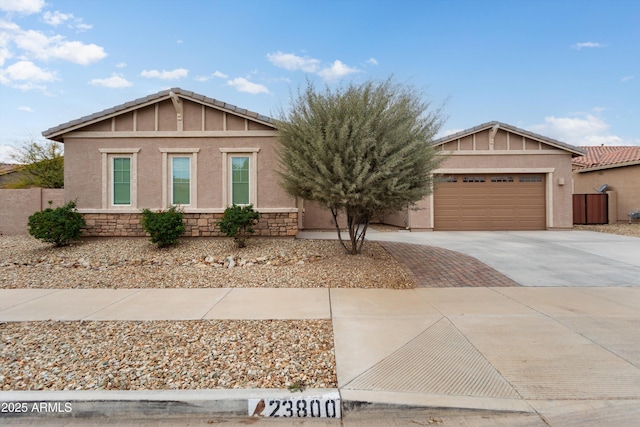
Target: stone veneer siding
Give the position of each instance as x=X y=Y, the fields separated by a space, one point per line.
x=197 y=225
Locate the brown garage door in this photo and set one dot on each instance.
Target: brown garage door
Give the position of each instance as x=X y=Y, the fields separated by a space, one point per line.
x=490 y=202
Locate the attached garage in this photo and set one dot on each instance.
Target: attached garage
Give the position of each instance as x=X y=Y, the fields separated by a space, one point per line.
x=493 y=177
x=490 y=202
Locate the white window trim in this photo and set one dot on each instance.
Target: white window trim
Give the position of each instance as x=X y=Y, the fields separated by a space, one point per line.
x=107 y=176
x=227 y=155
x=166 y=176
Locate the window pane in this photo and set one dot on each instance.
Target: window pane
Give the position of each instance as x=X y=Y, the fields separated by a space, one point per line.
x=240 y=180
x=121 y=181
x=181 y=180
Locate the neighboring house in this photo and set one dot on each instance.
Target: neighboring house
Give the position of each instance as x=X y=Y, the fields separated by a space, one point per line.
x=495 y=177
x=618 y=168
x=9 y=174
x=173 y=148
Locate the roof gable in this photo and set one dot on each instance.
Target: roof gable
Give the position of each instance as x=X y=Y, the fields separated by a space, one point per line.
x=494 y=129
x=185 y=105
x=605 y=157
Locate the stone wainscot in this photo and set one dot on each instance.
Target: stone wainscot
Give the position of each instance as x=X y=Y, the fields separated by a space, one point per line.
x=197 y=225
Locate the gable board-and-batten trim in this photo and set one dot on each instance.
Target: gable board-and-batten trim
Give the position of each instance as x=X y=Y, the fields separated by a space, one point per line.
x=106 y=152
x=498 y=152
x=174 y=134
x=193 y=178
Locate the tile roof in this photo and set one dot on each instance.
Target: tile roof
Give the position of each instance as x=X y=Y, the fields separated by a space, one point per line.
x=6 y=168
x=550 y=141
x=56 y=131
x=608 y=157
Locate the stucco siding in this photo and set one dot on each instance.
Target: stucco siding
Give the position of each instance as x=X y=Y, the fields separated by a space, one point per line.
x=624 y=181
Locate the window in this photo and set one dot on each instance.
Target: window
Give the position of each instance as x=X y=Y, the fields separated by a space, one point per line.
x=501 y=179
x=239 y=176
x=180 y=176
x=180 y=181
x=531 y=178
x=446 y=178
x=240 y=180
x=473 y=179
x=121 y=180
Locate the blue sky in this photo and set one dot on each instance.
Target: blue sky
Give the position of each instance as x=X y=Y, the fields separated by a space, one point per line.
x=566 y=69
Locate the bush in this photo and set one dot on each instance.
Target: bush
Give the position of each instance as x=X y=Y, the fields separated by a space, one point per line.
x=58 y=226
x=237 y=222
x=164 y=227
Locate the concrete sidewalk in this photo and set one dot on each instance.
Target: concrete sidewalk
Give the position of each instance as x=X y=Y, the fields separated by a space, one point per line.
x=555 y=352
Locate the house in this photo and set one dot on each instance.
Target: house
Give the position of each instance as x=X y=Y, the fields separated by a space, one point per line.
x=495 y=177
x=614 y=169
x=10 y=175
x=174 y=147
x=180 y=148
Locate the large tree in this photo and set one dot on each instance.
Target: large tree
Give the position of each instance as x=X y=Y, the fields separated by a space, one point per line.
x=360 y=150
x=42 y=164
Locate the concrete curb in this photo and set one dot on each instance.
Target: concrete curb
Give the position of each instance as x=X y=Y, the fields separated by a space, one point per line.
x=117 y=403
x=224 y=402
x=364 y=400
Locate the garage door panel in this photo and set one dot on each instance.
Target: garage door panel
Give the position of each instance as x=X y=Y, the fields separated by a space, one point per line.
x=491 y=202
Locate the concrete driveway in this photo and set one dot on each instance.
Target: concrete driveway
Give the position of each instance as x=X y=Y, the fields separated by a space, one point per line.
x=541 y=258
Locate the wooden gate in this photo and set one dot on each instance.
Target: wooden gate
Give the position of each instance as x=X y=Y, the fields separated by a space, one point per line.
x=590 y=209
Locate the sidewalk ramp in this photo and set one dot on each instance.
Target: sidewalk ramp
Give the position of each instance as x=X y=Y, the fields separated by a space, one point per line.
x=439 y=361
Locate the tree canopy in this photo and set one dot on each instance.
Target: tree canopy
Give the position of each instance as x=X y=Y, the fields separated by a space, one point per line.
x=42 y=164
x=360 y=150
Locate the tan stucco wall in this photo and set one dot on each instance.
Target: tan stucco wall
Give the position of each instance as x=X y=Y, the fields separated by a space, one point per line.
x=624 y=181
x=152 y=129
x=16 y=206
x=84 y=180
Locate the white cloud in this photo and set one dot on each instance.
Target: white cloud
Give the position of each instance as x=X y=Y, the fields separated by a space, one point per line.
x=579 y=46
x=121 y=65
x=6 y=151
x=448 y=132
x=217 y=74
x=22 y=6
x=585 y=130
x=27 y=109
x=627 y=78
x=292 y=62
x=115 y=81
x=165 y=75
x=43 y=47
x=25 y=71
x=243 y=85
x=337 y=70
x=56 y=18
x=372 y=61
x=78 y=52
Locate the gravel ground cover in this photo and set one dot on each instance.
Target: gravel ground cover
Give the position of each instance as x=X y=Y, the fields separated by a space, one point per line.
x=195 y=263
x=632 y=230
x=165 y=355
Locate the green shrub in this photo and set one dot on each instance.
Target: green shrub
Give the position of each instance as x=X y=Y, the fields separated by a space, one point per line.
x=164 y=227
x=58 y=226
x=237 y=222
